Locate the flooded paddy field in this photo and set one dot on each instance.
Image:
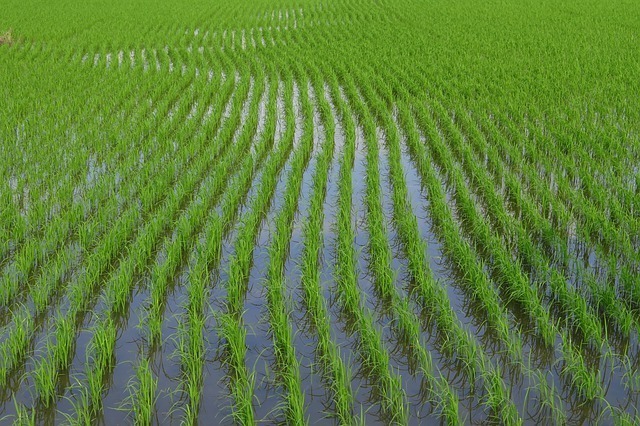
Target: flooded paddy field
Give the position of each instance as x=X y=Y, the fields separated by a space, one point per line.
x=311 y=212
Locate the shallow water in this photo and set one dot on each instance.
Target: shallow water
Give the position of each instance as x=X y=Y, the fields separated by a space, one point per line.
x=582 y=259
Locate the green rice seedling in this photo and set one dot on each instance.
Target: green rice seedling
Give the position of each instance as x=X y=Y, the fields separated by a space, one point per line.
x=82 y=408
x=14 y=348
x=192 y=364
x=23 y=415
x=621 y=418
x=498 y=401
x=241 y=381
x=102 y=345
x=95 y=388
x=548 y=399
x=65 y=335
x=100 y=361
x=379 y=251
x=587 y=383
x=143 y=394
x=447 y=403
x=45 y=377
x=631 y=375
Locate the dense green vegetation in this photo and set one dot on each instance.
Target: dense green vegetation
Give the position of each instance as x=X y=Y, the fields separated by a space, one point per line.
x=359 y=212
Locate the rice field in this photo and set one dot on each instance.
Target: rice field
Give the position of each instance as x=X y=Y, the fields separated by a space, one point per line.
x=319 y=212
